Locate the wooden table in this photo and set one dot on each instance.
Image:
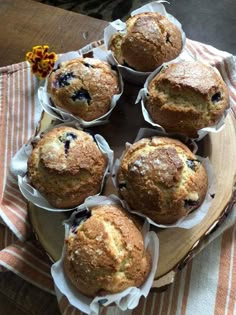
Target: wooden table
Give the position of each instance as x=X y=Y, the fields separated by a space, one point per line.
x=26 y=23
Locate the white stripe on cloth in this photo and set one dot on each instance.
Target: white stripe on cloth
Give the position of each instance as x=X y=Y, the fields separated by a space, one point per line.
x=181 y=292
x=161 y=304
x=170 y=300
x=10 y=200
x=22 y=115
x=11 y=226
x=153 y=304
x=40 y=261
x=19 y=257
x=14 y=195
x=4 y=166
x=66 y=309
x=17 y=213
x=215 y=51
x=204 y=280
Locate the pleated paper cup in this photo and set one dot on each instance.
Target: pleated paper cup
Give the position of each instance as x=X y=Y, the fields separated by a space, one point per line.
x=19 y=169
x=63 y=115
x=144 y=94
x=125 y=300
x=193 y=218
x=131 y=75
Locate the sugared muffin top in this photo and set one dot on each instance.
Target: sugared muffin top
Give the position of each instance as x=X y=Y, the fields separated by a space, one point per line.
x=149 y=41
x=105 y=253
x=187 y=96
x=83 y=87
x=162 y=179
x=66 y=166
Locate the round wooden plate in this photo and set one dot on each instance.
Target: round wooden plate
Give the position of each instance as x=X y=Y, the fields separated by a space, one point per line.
x=176 y=245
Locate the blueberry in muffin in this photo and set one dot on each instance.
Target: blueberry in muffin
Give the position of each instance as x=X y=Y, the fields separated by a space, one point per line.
x=83 y=87
x=66 y=166
x=105 y=252
x=186 y=97
x=162 y=179
x=150 y=40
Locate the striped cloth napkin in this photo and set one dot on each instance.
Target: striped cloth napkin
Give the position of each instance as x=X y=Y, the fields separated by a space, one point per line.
x=207 y=285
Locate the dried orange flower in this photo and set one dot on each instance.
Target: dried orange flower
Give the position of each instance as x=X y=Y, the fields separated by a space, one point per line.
x=42 y=61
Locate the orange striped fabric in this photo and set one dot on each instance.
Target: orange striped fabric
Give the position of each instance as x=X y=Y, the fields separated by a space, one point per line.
x=207 y=285
x=226 y=289
x=18 y=121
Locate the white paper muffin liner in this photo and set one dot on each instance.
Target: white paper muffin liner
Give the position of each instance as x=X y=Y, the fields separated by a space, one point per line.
x=192 y=218
x=143 y=96
x=18 y=168
x=127 y=299
x=62 y=114
x=127 y=73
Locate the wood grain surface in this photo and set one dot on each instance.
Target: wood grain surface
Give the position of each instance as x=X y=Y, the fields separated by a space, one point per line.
x=27 y=23
x=18 y=297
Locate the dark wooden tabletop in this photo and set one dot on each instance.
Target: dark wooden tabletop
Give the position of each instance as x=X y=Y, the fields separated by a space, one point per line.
x=25 y=23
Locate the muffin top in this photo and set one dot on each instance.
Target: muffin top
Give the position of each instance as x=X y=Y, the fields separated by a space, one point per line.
x=83 y=87
x=187 y=96
x=150 y=40
x=105 y=252
x=66 y=166
x=162 y=179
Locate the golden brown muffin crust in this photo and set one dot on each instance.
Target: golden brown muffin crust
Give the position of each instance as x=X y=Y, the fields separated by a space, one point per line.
x=106 y=253
x=66 y=166
x=187 y=96
x=150 y=40
x=84 y=87
x=115 y=46
x=161 y=178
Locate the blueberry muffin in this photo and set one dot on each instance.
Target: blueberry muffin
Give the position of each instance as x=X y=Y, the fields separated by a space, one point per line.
x=105 y=252
x=187 y=96
x=149 y=41
x=162 y=179
x=66 y=166
x=83 y=87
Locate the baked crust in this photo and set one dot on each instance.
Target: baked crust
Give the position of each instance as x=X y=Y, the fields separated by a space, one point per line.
x=150 y=40
x=161 y=178
x=105 y=254
x=83 y=87
x=66 y=166
x=187 y=96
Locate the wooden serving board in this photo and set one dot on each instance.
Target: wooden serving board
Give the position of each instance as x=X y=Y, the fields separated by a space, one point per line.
x=176 y=245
